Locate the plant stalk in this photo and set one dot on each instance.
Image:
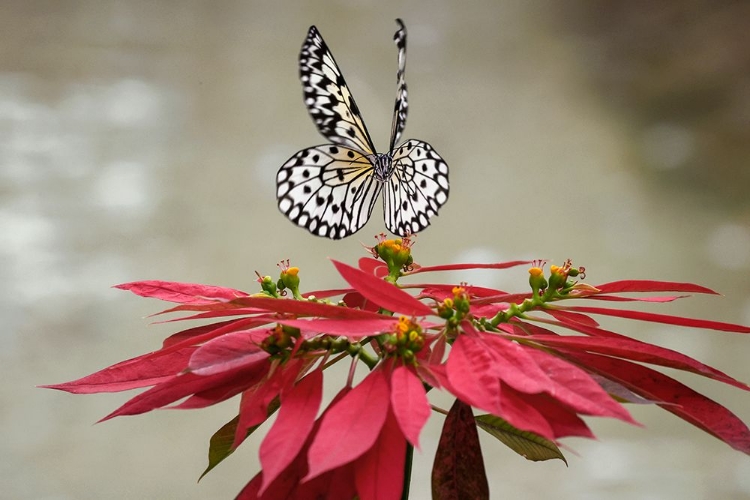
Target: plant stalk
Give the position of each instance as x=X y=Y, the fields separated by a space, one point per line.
x=407 y=471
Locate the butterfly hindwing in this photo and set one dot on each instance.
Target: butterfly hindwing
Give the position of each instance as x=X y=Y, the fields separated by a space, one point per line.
x=328 y=98
x=416 y=190
x=329 y=190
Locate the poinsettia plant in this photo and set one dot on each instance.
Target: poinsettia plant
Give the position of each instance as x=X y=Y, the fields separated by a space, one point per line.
x=530 y=365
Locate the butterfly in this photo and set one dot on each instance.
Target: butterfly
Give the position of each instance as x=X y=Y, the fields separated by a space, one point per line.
x=331 y=189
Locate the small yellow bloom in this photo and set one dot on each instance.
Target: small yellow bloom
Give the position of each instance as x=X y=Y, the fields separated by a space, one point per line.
x=536 y=271
x=292 y=271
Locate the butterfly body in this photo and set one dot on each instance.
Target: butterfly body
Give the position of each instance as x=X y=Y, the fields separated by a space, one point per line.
x=382 y=165
x=331 y=189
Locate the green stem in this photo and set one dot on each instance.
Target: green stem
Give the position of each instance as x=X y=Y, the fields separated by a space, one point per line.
x=407 y=471
x=519 y=310
x=368 y=359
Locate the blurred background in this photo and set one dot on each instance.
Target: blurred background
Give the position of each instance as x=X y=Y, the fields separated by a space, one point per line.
x=140 y=140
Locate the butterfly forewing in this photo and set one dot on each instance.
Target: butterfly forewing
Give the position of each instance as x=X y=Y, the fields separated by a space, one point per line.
x=402 y=106
x=329 y=190
x=328 y=98
x=416 y=190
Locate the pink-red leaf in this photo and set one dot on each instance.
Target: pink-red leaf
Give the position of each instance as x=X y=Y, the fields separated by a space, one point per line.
x=197 y=331
x=518 y=409
x=626 y=286
x=263 y=305
x=182 y=293
x=354 y=329
x=250 y=491
x=222 y=392
x=458 y=471
x=285 y=439
x=215 y=310
x=681 y=400
x=336 y=484
x=409 y=402
x=441 y=291
x=576 y=389
x=568 y=317
x=531 y=371
x=379 y=473
x=254 y=405
x=147 y=369
x=437 y=350
x=356 y=300
x=461 y=267
x=662 y=318
x=305 y=308
x=382 y=293
x=513 y=363
x=470 y=371
x=636 y=350
x=175 y=389
x=205 y=333
x=351 y=427
x=563 y=421
x=373 y=266
x=510 y=298
x=230 y=351
x=654 y=300
x=324 y=294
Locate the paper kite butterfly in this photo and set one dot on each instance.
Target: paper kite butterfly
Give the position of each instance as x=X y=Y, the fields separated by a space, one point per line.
x=331 y=189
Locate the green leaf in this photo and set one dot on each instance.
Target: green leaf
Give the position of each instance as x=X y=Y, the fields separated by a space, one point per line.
x=458 y=471
x=527 y=444
x=220 y=445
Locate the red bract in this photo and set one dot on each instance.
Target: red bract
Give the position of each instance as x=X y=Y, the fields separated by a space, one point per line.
x=530 y=360
x=299 y=407
x=409 y=402
x=344 y=435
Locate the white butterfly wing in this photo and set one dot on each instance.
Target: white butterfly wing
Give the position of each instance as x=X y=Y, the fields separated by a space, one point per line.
x=327 y=97
x=416 y=190
x=402 y=106
x=329 y=190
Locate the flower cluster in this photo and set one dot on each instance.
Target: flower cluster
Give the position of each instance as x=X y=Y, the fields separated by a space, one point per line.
x=533 y=363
